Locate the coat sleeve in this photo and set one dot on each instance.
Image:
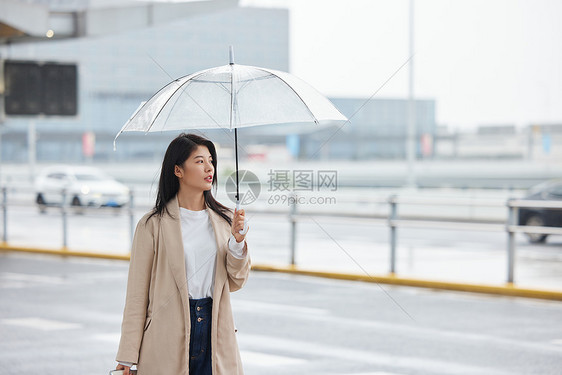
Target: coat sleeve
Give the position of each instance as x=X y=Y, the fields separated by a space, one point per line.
x=238 y=269
x=136 y=302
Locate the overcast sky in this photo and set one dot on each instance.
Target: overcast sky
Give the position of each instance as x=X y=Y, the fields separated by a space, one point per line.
x=483 y=61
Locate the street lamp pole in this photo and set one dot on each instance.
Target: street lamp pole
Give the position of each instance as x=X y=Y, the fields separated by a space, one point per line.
x=411 y=132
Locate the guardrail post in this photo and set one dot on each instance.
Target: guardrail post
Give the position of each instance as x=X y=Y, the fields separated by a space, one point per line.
x=292 y=219
x=131 y=215
x=393 y=215
x=511 y=220
x=5 y=214
x=64 y=221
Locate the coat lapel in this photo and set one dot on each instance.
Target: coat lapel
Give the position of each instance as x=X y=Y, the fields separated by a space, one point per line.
x=173 y=242
x=220 y=227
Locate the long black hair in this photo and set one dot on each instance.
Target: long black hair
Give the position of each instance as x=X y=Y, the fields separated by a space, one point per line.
x=177 y=153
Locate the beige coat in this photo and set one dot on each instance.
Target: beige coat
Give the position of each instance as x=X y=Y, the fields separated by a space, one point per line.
x=156 y=321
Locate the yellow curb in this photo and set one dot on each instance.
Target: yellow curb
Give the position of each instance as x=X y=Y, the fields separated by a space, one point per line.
x=64 y=251
x=506 y=290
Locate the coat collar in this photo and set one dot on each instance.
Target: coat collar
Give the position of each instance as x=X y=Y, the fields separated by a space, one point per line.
x=173 y=243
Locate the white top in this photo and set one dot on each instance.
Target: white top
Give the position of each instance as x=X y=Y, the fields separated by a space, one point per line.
x=200 y=249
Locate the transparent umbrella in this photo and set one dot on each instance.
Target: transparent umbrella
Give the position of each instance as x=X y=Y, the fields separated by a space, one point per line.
x=230 y=97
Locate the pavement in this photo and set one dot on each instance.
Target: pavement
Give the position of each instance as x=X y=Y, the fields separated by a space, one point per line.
x=62 y=316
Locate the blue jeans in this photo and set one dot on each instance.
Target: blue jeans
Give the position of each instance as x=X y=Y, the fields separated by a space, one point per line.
x=200 y=338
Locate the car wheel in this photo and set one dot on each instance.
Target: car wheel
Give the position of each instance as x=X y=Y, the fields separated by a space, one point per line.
x=41 y=203
x=77 y=206
x=536 y=221
x=117 y=210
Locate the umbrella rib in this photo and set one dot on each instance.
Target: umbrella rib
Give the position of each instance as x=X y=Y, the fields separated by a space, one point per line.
x=243 y=80
x=140 y=109
x=172 y=109
x=170 y=97
x=244 y=85
x=238 y=89
x=197 y=74
x=294 y=91
x=224 y=87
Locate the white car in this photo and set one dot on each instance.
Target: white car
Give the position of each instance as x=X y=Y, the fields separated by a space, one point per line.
x=84 y=186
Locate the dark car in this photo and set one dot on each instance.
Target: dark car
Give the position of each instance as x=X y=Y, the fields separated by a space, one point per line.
x=542 y=217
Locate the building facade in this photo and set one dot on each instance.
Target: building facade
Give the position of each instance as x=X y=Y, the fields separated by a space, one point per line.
x=117 y=72
x=377 y=130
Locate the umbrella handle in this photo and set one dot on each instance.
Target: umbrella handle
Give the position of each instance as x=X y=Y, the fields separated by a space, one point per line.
x=244 y=230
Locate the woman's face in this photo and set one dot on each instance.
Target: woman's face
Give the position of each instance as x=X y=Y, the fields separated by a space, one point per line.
x=197 y=171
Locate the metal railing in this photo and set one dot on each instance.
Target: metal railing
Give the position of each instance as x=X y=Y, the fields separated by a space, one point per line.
x=392 y=220
x=65 y=207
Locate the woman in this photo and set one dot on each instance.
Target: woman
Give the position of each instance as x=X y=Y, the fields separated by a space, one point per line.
x=186 y=258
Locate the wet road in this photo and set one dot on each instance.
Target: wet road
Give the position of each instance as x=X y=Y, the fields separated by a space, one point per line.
x=62 y=316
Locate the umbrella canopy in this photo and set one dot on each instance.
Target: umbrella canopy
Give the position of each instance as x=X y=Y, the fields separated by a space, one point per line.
x=233 y=96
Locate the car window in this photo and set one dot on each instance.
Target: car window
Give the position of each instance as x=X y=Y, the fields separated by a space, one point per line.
x=545 y=186
x=538 y=188
x=556 y=190
x=89 y=177
x=57 y=176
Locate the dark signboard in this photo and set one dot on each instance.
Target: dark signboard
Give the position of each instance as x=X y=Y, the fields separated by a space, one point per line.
x=33 y=88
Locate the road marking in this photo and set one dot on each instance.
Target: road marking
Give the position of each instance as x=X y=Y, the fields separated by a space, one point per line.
x=42 y=324
x=276 y=308
x=249 y=357
x=94 y=276
x=371 y=357
x=390 y=328
x=108 y=337
x=25 y=277
x=556 y=342
x=22 y=280
x=252 y=358
x=13 y=284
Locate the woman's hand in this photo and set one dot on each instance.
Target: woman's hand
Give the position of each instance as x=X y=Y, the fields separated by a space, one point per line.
x=124 y=368
x=238 y=225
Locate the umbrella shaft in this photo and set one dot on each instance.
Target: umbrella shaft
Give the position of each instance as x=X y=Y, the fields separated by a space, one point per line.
x=236 y=152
